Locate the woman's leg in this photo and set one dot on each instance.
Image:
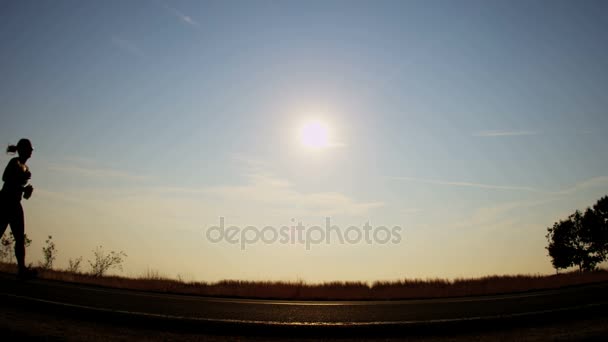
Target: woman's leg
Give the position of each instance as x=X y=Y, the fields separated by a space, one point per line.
x=3 y=224
x=3 y=220
x=3 y=217
x=17 y=223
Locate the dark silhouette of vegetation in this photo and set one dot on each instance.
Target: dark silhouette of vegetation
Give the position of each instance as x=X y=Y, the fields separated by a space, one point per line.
x=50 y=254
x=581 y=239
x=7 y=244
x=74 y=265
x=152 y=280
x=103 y=262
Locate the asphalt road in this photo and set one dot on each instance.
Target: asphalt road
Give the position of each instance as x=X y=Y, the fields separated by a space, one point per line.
x=300 y=313
x=164 y=312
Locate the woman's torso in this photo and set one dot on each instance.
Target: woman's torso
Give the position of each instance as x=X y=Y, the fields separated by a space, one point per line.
x=15 y=177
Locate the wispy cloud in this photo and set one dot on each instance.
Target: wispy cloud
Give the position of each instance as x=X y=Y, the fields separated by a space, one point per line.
x=183 y=17
x=410 y=211
x=504 y=133
x=500 y=213
x=262 y=192
x=467 y=184
x=128 y=47
x=96 y=173
x=508 y=215
x=272 y=193
x=594 y=182
x=587 y=183
x=337 y=144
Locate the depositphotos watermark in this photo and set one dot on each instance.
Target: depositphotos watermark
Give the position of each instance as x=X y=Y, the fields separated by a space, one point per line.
x=300 y=234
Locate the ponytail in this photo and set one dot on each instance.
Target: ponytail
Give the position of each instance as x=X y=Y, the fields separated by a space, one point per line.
x=21 y=146
x=11 y=149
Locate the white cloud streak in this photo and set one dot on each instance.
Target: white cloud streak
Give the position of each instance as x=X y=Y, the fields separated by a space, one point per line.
x=504 y=133
x=183 y=17
x=96 y=173
x=467 y=184
x=587 y=183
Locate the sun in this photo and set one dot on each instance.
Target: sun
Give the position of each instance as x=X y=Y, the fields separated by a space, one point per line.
x=314 y=134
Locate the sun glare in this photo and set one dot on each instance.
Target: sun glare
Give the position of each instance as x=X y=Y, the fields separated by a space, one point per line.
x=314 y=135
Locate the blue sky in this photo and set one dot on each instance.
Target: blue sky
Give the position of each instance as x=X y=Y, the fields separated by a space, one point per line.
x=474 y=125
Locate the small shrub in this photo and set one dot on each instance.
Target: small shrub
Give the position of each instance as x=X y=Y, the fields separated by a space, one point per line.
x=50 y=254
x=103 y=262
x=7 y=243
x=74 y=265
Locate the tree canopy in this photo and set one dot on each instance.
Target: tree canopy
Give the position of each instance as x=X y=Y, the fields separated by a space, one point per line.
x=581 y=239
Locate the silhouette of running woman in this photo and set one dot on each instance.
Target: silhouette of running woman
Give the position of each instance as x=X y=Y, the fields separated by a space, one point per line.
x=15 y=178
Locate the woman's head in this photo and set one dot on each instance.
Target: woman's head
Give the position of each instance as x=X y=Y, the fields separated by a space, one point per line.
x=23 y=147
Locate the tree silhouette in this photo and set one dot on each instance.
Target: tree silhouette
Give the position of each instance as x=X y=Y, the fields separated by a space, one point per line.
x=580 y=240
x=600 y=230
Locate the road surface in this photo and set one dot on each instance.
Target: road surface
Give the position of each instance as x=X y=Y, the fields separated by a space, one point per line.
x=145 y=305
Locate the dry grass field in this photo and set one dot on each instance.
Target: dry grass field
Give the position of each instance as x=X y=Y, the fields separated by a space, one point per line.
x=379 y=290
